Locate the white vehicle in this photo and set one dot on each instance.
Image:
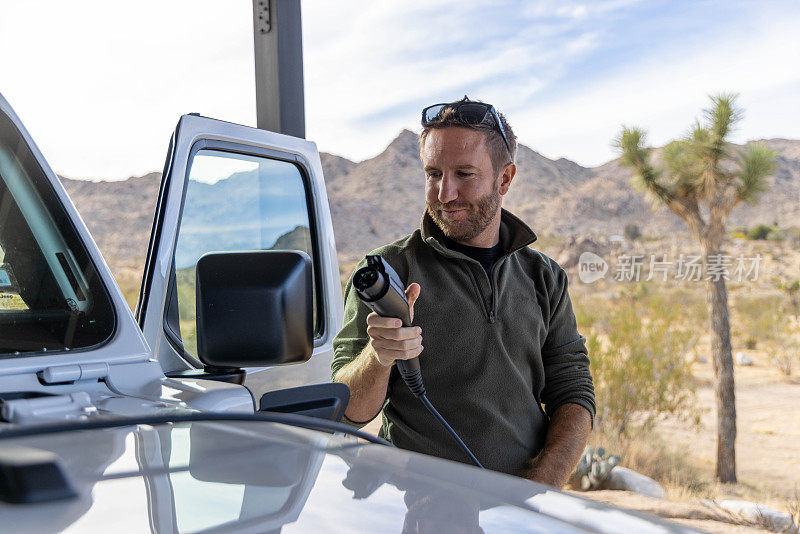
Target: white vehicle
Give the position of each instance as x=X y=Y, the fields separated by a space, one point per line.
x=136 y=423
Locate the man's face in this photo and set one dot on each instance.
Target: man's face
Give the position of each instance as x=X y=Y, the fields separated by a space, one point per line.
x=462 y=191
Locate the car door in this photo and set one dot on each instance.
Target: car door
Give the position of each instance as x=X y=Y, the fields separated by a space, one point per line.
x=230 y=187
x=60 y=307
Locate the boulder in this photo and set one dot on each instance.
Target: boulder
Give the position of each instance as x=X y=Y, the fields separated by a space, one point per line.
x=757 y=514
x=742 y=359
x=622 y=478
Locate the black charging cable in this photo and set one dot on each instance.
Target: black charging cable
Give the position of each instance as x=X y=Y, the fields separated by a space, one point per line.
x=379 y=286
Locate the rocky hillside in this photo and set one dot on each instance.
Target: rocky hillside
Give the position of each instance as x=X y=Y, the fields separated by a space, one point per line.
x=381 y=199
x=119 y=216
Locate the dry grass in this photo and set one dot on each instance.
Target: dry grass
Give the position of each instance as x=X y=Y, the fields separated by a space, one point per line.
x=649 y=454
x=793 y=506
x=784 y=363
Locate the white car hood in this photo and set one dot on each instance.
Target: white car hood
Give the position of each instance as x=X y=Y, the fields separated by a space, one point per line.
x=220 y=476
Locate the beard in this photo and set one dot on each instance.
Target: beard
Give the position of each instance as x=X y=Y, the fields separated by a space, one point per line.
x=478 y=218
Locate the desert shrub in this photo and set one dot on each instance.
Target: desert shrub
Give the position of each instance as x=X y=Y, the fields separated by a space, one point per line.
x=783 y=361
x=738 y=232
x=586 y=311
x=692 y=301
x=793 y=236
x=792 y=292
x=631 y=232
x=793 y=506
x=776 y=234
x=784 y=352
x=767 y=321
x=760 y=232
x=639 y=365
x=757 y=318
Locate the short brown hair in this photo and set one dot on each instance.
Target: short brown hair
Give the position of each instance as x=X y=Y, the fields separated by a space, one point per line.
x=499 y=154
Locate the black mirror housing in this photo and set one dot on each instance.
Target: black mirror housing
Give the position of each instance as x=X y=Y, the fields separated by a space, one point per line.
x=254 y=308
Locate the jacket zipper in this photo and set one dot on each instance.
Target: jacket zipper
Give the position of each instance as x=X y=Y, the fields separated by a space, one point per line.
x=490 y=311
x=477 y=287
x=493 y=289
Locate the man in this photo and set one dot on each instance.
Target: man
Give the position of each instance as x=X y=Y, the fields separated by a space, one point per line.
x=500 y=337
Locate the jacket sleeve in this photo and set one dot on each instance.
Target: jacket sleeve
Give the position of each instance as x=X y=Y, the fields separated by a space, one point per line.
x=564 y=354
x=352 y=338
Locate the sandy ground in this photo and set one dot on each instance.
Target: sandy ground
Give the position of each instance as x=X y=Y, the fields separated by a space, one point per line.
x=692 y=515
x=768 y=427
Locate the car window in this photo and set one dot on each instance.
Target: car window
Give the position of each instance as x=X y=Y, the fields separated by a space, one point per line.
x=237 y=202
x=51 y=298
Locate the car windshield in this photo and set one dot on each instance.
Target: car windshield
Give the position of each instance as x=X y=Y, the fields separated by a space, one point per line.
x=51 y=298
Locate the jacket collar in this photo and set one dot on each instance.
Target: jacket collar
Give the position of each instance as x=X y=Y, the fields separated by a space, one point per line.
x=514 y=234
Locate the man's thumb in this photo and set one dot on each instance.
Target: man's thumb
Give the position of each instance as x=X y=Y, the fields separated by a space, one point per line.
x=412 y=293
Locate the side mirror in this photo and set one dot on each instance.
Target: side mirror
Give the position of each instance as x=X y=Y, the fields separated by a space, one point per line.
x=254 y=308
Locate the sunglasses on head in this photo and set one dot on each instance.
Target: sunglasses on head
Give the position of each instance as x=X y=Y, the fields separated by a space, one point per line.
x=468 y=112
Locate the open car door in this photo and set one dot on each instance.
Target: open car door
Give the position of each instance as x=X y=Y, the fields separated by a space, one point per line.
x=228 y=187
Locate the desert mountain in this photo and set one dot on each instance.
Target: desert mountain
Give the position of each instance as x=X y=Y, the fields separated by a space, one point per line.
x=119 y=215
x=381 y=199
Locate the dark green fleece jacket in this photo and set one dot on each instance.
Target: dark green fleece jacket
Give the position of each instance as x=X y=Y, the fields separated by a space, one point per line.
x=495 y=351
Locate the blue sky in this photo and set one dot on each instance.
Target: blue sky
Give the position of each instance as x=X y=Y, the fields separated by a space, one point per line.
x=100 y=86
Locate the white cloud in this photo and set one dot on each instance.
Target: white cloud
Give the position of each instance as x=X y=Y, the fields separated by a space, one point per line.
x=100 y=85
x=684 y=61
x=393 y=59
x=667 y=94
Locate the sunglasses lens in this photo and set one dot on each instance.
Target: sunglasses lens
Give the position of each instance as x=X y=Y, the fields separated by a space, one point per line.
x=432 y=113
x=473 y=113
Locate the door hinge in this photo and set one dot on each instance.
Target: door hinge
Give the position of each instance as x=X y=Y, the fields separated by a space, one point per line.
x=73 y=373
x=263 y=16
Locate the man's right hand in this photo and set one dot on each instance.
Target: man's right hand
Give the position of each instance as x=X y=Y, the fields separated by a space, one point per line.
x=391 y=341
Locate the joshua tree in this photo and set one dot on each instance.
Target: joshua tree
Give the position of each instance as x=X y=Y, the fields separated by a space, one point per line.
x=701 y=180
